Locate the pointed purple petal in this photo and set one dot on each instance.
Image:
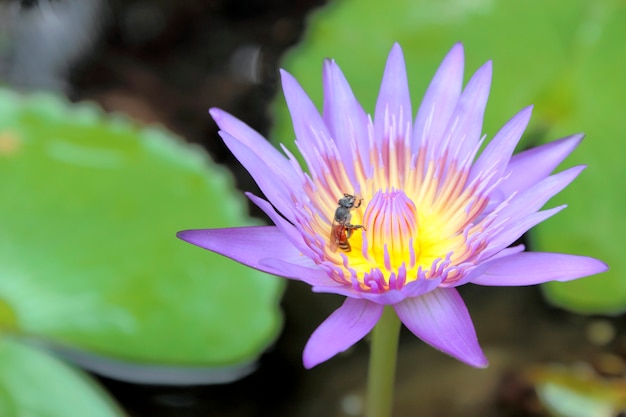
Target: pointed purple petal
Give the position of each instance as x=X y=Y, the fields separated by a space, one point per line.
x=515 y=228
x=465 y=128
x=261 y=247
x=301 y=269
x=254 y=141
x=533 y=198
x=440 y=99
x=441 y=319
x=497 y=154
x=394 y=100
x=246 y=245
x=482 y=266
x=312 y=136
x=277 y=185
x=530 y=268
x=288 y=229
x=345 y=118
x=531 y=166
x=342 y=329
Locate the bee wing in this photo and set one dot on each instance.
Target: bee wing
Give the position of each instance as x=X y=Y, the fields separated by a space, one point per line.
x=333 y=243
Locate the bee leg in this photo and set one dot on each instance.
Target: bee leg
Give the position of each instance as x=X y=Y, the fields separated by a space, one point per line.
x=350 y=228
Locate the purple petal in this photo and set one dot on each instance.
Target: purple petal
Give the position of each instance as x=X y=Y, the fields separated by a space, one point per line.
x=482 y=267
x=345 y=117
x=277 y=185
x=440 y=99
x=515 y=228
x=465 y=128
x=497 y=154
x=313 y=138
x=288 y=229
x=421 y=286
x=254 y=141
x=521 y=213
x=530 y=268
x=531 y=166
x=509 y=251
x=394 y=100
x=388 y=297
x=533 y=198
x=345 y=290
x=261 y=247
x=246 y=245
x=301 y=269
x=342 y=329
x=441 y=319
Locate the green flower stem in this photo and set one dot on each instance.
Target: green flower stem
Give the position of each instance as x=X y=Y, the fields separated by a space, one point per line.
x=382 y=366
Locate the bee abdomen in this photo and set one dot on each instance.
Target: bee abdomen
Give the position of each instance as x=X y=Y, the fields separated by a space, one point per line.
x=344 y=246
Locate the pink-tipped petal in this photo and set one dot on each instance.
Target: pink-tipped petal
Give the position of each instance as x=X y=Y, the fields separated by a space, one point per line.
x=530 y=268
x=394 y=101
x=342 y=329
x=528 y=167
x=440 y=318
x=440 y=99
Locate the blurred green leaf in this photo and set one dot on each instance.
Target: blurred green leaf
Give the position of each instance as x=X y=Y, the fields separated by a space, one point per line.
x=33 y=384
x=88 y=253
x=576 y=392
x=568 y=57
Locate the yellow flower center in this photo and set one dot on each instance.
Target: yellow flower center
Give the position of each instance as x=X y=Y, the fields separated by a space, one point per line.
x=422 y=226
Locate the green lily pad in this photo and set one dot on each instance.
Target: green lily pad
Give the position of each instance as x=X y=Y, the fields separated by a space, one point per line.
x=34 y=384
x=88 y=254
x=568 y=57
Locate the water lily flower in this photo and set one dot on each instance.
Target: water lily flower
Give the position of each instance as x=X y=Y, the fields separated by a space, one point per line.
x=421 y=210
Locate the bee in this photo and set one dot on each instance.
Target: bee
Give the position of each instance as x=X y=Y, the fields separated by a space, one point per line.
x=342 y=229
